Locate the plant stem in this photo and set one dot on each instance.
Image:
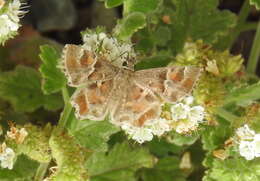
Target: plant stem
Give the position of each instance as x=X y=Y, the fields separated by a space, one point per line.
x=41 y=171
x=243 y=14
x=248 y=27
x=226 y=115
x=67 y=108
x=254 y=53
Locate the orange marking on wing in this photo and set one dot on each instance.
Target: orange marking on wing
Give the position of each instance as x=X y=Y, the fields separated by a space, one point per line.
x=176 y=76
x=94 y=98
x=148 y=115
x=188 y=83
x=87 y=59
x=82 y=104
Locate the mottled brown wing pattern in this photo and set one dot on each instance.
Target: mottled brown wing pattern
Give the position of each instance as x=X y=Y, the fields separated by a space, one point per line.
x=137 y=105
x=91 y=102
x=82 y=66
x=170 y=83
x=128 y=96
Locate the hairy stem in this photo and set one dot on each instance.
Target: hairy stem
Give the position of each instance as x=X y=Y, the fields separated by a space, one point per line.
x=41 y=171
x=67 y=108
x=255 y=52
x=226 y=115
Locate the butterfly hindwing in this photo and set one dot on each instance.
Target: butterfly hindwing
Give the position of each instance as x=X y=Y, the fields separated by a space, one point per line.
x=170 y=83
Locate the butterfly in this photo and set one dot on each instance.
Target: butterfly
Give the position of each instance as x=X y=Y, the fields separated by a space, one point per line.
x=120 y=92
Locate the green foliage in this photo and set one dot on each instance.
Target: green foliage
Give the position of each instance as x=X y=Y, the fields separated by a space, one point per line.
x=53 y=79
x=22 y=88
x=113 y=3
x=145 y=6
x=69 y=156
x=120 y=163
x=244 y=95
x=194 y=17
x=24 y=169
x=166 y=168
x=233 y=170
x=130 y=24
x=92 y=134
x=256 y=3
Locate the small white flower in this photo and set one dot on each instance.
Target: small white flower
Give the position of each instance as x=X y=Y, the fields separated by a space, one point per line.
x=158 y=126
x=196 y=113
x=7 y=157
x=116 y=52
x=139 y=134
x=188 y=100
x=246 y=149
x=180 y=111
x=256 y=143
x=245 y=133
x=185 y=126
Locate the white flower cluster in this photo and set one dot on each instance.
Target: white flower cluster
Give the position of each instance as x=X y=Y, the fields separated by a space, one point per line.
x=148 y=130
x=249 y=142
x=9 y=19
x=7 y=157
x=116 y=52
x=185 y=118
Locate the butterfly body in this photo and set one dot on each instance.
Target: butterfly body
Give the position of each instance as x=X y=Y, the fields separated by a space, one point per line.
x=123 y=94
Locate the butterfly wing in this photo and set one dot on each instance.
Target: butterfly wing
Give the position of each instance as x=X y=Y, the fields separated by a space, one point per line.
x=170 y=83
x=135 y=104
x=91 y=101
x=82 y=66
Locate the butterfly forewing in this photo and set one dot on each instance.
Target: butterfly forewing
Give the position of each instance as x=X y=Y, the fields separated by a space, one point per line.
x=82 y=66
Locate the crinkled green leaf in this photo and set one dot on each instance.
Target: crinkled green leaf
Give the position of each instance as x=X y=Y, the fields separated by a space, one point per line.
x=167 y=168
x=144 y=6
x=199 y=19
x=53 y=78
x=162 y=35
x=130 y=24
x=113 y=3
x=160 y=147
x=214 y=137
x=120 y=163
x=92 y=134
x=182 y=140
x=24 y=169
x=22 y=88
x=244 y=94
x=234 y=169
x=153 y=62
x=256 y=3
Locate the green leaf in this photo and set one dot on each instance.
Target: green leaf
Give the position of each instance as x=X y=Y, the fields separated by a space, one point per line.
x=166 y=168
x=130 y=24
x=24 y=169
x=256 y=3
x=199 y=19
x=113 y=3
x=22 y=88
x=160 y=148
x=162 y=35
x=92 y=134
x=214 y=137
x=53 y=78
x=153 y=62
x=144 y=6
x=120 y=163
x=182 y=140
x=244 y=94
x=233 y=169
